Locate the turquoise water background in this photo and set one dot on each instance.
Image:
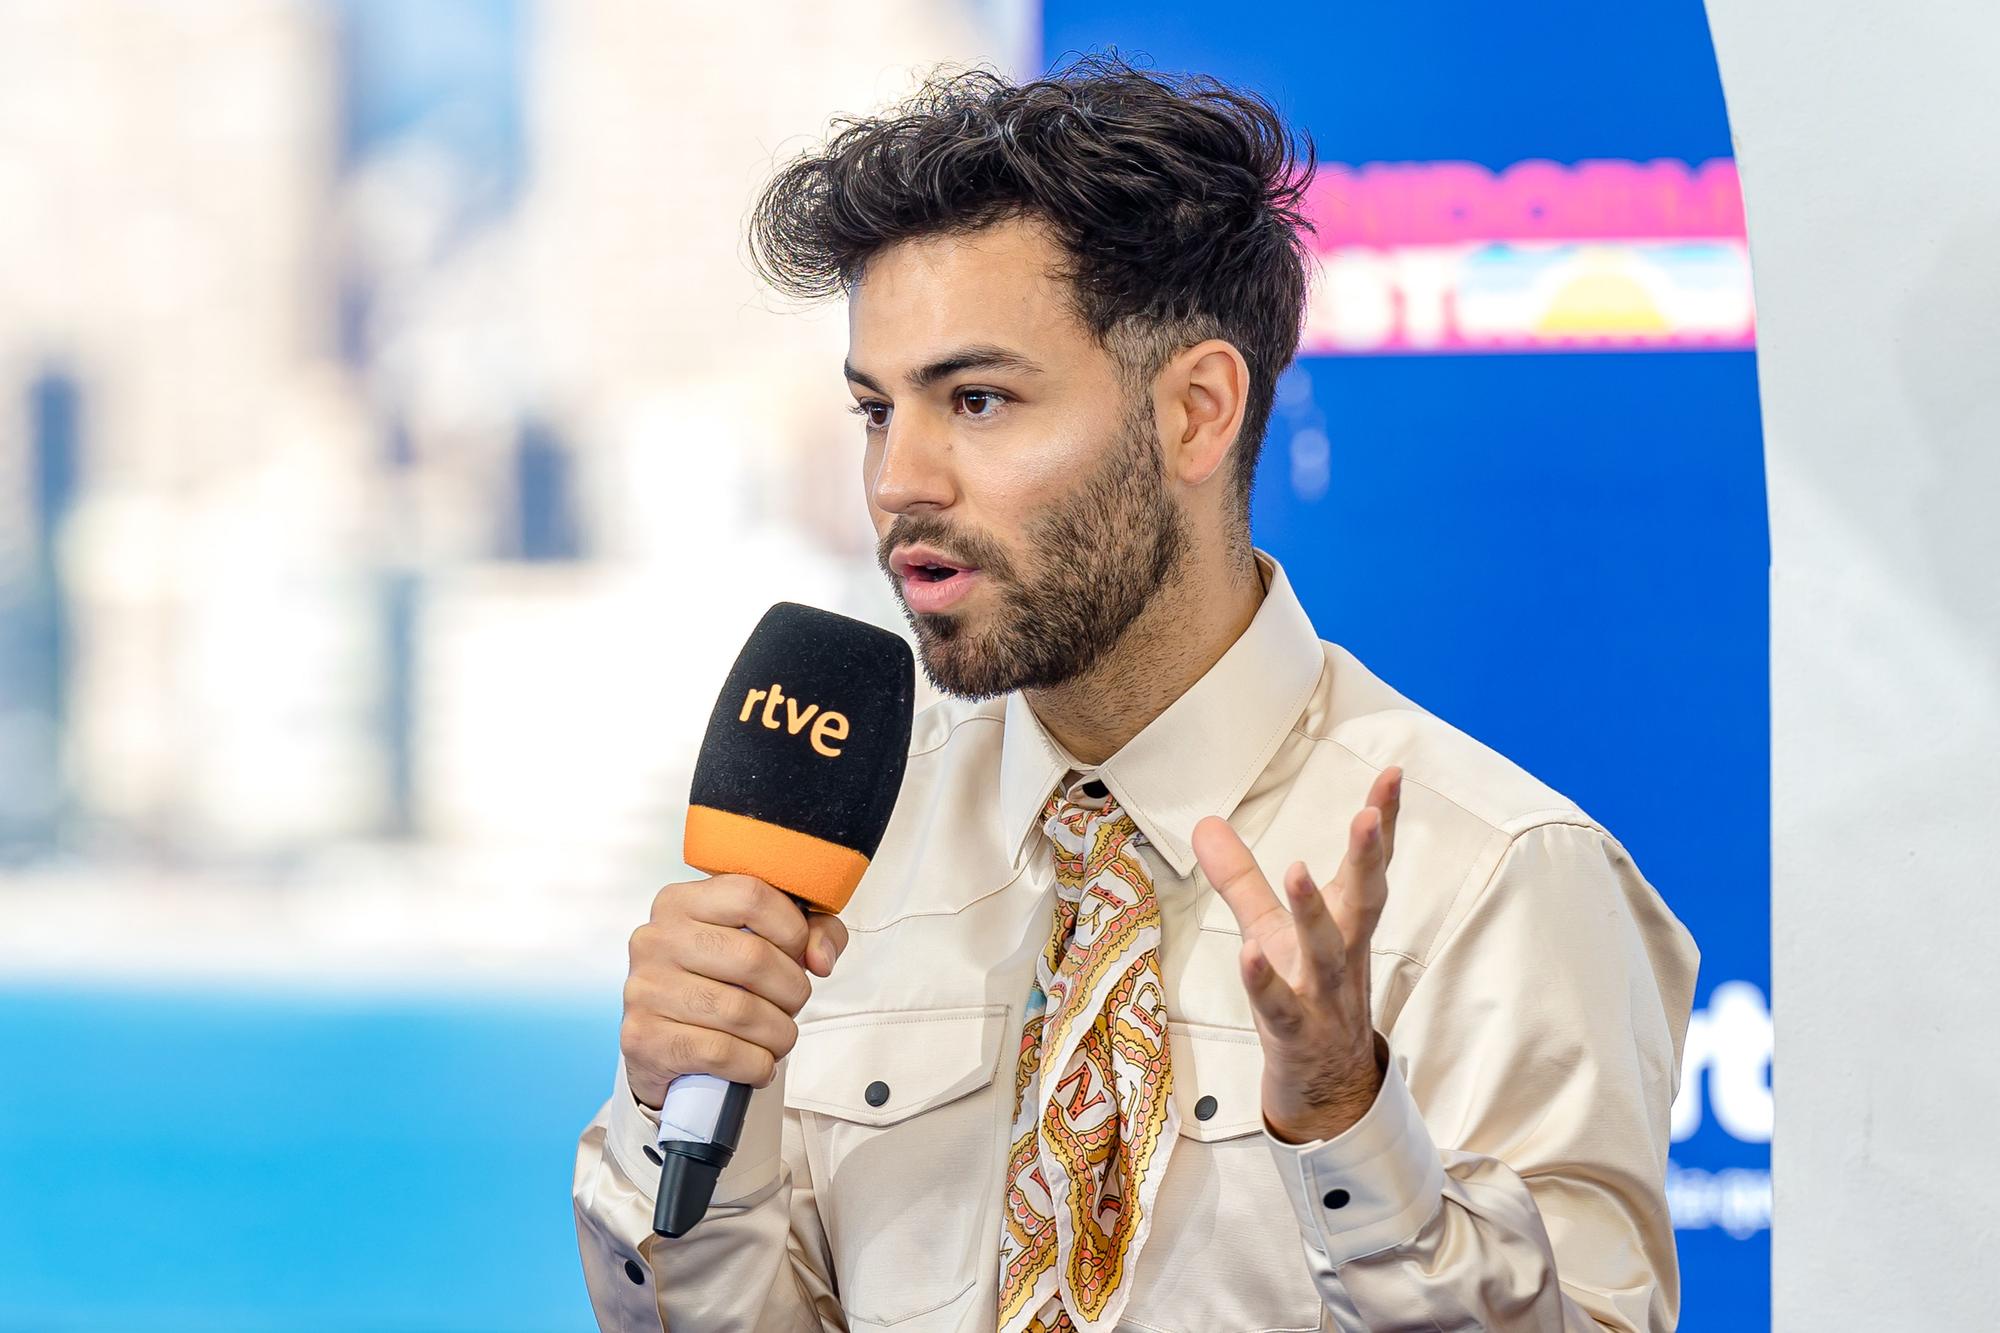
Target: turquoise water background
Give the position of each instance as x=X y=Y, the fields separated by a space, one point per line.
x=178 y=1160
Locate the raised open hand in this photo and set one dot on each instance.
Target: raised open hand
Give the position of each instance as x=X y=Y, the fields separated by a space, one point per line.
x=1306 y=968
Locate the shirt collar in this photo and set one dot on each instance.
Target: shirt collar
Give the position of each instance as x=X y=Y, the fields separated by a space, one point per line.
x=1198 y=757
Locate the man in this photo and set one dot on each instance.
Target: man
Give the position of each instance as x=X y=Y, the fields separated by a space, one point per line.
x=1202 y=982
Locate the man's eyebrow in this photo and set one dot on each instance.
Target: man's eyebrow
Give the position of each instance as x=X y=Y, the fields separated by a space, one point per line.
x=966 y=358
x=856 y=377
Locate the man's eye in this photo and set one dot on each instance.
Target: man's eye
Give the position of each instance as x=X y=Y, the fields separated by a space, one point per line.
x=980 y=402
x=874 y=413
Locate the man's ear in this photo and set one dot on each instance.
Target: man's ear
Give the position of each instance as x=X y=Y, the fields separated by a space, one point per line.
x=1204 y=392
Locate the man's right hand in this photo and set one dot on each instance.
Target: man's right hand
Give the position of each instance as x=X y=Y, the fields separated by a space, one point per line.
x=705 y=996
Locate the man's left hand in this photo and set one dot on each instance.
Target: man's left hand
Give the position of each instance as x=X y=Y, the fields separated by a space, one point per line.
x=1306 y=969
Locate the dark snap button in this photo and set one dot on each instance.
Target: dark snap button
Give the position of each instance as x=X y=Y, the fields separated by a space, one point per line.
x=878 y=1092
x=652 y=1154
x=633 y=1271
x=1335 y=1199
x=1205 y=1109
x=1096 y=790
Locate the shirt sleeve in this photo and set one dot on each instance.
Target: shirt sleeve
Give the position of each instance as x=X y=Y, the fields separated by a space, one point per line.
x=1511 y=1172
x=757 y=1262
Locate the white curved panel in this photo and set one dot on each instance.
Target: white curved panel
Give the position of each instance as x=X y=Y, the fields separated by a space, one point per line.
x=1865 y=137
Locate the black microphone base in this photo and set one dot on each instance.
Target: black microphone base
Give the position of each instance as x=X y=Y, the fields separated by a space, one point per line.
x=688 y=1172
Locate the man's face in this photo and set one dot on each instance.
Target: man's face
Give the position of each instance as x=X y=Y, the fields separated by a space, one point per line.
x=1018 y=490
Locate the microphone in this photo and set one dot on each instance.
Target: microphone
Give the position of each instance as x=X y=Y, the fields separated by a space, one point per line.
x=795 y=783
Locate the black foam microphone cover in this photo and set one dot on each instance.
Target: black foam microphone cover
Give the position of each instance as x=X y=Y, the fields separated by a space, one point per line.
x=804 y=755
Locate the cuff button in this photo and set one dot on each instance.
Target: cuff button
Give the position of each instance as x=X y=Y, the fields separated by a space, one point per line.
x=634 y=1272
x=877 y=1093
x=1205 y=1109
x=652 y=1154
x=1335 y=1199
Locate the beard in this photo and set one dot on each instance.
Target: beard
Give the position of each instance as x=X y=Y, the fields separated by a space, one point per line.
x=1100 y=553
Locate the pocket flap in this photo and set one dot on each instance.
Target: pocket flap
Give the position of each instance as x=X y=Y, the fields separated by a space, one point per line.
x=876 y=1069
x=1225 y=1064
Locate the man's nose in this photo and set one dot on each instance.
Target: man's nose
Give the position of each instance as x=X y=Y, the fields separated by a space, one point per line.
x=913 y=472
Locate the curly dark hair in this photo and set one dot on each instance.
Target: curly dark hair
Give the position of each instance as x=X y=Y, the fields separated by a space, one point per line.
x=1176 y=199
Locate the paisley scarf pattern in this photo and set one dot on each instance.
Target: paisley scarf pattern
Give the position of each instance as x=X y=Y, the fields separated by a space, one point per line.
x=1094 y=1115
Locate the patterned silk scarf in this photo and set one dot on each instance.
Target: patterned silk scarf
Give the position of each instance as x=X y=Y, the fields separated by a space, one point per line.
x=1094 y=1116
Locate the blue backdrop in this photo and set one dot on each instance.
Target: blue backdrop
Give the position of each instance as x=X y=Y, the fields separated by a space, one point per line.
x=1565 y=554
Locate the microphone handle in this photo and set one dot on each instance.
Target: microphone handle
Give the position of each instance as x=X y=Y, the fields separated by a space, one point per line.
x=700 y=1122
x=696 y=1104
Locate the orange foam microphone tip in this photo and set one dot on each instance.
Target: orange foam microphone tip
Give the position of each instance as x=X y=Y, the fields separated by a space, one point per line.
x=821 y=874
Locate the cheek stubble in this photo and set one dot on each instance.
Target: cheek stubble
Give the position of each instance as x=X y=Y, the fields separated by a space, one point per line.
x=1099 y=555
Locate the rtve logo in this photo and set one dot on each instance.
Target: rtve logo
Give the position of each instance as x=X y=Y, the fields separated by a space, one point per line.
x=1730 y=1042
x=826 y=725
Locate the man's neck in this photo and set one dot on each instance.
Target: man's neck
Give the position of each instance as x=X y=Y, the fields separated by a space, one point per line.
x=1183 y=632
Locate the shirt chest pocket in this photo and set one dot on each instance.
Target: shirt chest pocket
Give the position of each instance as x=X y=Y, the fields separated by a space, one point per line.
x=1225 y=1250
x=903 y=1135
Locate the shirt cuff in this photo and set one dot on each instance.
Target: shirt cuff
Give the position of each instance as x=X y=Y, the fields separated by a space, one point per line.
x=634 y=1129
x=1371 y=1188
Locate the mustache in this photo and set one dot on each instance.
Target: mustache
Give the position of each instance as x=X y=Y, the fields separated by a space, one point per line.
x=970 y=548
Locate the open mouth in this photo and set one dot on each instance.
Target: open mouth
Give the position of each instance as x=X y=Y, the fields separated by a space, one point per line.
x=924 y=564
x=930 y=581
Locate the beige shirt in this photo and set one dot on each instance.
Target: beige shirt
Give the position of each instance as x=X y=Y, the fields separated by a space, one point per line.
x=1532 y=988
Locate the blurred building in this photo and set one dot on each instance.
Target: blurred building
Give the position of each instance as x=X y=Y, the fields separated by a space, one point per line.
x=164 y=176
x=395 y=444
